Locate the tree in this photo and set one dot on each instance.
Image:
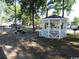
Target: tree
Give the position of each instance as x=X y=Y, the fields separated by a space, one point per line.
x=13 y=10
x=76 y=21
x=32 y=7
x=59 y=5
x=76 y=24
x=2 y=11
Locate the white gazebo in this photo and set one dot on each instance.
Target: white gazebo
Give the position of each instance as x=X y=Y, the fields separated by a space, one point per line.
x=53 y=27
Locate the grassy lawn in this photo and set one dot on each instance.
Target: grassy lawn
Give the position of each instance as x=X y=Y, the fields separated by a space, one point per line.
x=73 y=37
x=33 y=47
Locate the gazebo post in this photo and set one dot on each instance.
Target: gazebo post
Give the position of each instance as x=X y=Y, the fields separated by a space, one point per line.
x=65 y=28
x=48 y=28
x=43 y=27
x=60 y=29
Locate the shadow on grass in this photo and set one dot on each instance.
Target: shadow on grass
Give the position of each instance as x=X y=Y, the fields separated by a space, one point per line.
x=63 y=46
x=71 y=37
x=33 y=47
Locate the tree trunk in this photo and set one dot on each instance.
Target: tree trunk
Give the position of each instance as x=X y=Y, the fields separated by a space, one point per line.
x=23 y=22
x=47 y=12
x=32 y=12
x=74 y=34
x=32 y=5
x=30 y=19
x=15 y=16
x=21 y=15
x=63 y=8
x=33 y=20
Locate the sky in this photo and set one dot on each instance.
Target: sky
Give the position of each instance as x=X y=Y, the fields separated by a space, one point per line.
x=75 y=10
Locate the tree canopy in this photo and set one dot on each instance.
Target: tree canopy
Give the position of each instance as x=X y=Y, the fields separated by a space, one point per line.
x=76 y=21
x=57 y=5
x=28 y=10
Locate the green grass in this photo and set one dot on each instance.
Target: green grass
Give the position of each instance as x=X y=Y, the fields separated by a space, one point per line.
x=71 y=37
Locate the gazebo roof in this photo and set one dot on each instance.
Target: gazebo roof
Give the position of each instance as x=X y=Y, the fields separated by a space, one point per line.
x=54 y=16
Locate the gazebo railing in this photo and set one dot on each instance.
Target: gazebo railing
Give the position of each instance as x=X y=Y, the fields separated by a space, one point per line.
x=44 y=33
x=49 y=34
x=54 y=34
